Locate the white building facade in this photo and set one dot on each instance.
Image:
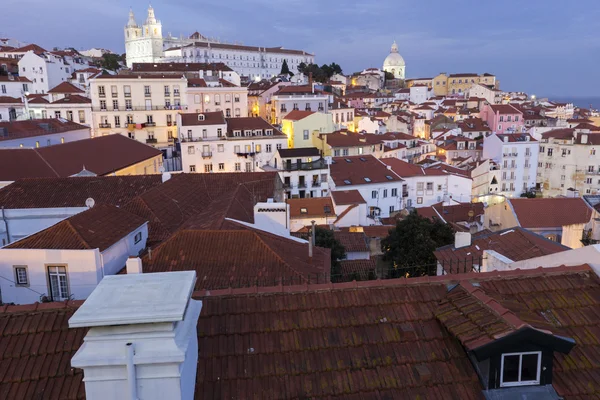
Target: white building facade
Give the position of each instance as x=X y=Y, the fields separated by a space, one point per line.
x=211 y=143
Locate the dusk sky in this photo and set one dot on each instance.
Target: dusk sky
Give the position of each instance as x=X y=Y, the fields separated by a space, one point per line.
x=542 y=47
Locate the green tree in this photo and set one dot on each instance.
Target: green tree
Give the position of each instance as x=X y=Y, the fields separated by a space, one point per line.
x=335 y=69
x=285 y=69
x=302 y=67
x=410 y=245
x=389 y=76
x=528 y=194
x=110 y=62
x=325 y=238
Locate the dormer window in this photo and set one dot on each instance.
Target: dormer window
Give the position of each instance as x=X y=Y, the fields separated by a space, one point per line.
x=257 y=132
x=520 y=369
x=247 y=132
x=269 y=132
x=200 y=117
x=237 y=133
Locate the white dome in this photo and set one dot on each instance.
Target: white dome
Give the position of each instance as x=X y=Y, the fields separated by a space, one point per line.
x=394 y=60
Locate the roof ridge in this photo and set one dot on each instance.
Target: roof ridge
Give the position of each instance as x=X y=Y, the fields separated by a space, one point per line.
x=27 y=308
x=46 y=162
x=493 y=306
x=277 y=254
x=72 y=227
x=423 y=280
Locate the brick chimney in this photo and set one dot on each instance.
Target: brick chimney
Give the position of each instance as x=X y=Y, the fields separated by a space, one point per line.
x=142 y=341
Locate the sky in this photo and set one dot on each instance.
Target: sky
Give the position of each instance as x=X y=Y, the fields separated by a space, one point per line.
x=543 y=47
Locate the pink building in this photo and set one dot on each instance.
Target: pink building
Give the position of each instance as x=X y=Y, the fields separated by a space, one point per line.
x=502 y=118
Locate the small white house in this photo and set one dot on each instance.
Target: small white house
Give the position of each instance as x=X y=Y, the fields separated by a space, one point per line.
x=69 y=259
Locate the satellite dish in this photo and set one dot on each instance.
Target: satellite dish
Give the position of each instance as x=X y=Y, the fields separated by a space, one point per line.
x=89 y=202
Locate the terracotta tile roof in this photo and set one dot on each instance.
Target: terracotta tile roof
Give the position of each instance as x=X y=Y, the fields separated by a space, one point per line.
x=297 y=115
x=463 y=75
x=346 y=197
x=405 y=170
x=37 y=127
x=253 y=123
x=73 y=99
x=259 y=258
x=65 y=87
x=37 y=100
x=360 y=170
x=348 y=341
x=563 y=133
x=30 y=47
x=102 y=156
x=317 y=207
x=179 y=67
x=199 y=82
x=352 y=241
x=300 y=89
x=345 y=139
x=72 y=192
x=515 y=243
x=97 y=228
x=202 y=201
x=361 y=269
x=505 y=109
x=210 y=118
x=8 y=78
x=36 y=353
x=141 y=75
x=10 y=100
x=473 y=125
x=516 y=137
x=453 y=213
x=299 y=152
x=550 y=212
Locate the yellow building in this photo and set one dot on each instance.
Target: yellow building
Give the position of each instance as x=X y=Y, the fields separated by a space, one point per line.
x=419 y=81
x=444 y=85
x=301 y=127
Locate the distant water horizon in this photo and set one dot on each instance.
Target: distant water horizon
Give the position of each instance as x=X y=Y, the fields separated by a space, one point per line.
x=581 y=102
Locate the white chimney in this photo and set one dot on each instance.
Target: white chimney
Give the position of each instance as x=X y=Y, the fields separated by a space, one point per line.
x=505 y=139
x=583 y=138
x=166 y=176
x=142 y=342
x=133 y=265
x=462 y=239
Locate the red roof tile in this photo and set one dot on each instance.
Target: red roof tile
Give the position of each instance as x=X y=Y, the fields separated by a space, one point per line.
x=71 y=158
x=179 y=67
x=352 y=241
x=73 y=192
x=97 y=228
x=209 y=118
x=317 y=207
x=550 y=212
x=358 y=269
x=239 y=258
x=10 y=100
x=297 y=115
x=346 y=197
x=30 y=47
x=515 y=243
x=65 y=87
x=504 y=109
x=36 y=352
x=37 y=127
x=453 y=213
x=73 y=99
x=360 y=170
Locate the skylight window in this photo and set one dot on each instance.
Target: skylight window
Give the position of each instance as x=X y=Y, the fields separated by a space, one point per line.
x=348 y=160
x=367 y=179
x=389 y=178
x=347 y=182
x=303 y=211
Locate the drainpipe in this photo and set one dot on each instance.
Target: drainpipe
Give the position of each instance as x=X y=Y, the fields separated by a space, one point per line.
x=6 y=225
x=131 y=378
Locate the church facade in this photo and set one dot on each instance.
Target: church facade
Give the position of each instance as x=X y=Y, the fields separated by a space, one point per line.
x=146 y=44
x=394 y=63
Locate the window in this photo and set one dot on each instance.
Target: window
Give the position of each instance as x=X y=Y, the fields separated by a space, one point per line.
x=220 y=148
x=306 y=134
x=138 y=237
x=117 y=121
x=429 y=186
x=208 y=168
x=113 y=91
x=394 y=192
x=21 y=278
x=419 y=200
x=257 y=148
x=147 y=91
x=219 y=132
x=37 y=144
x=278 y=146
x=192 y=168
x=238 y=166
x=391 y=209
x=191 y=150
x=103 y=104
x=374 y=194
x=221 y=166
x=519 y=369
x=420 y=186
x=57 y=277
x=101 y=91
x=248 y=167
x=385 y=192
x=268 y=148
x=127 y=91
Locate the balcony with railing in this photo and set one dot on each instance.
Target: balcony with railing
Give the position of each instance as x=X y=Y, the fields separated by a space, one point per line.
x=149 y=124
x=318 y=164
x=104 y=125
x=151 y=141
x=206 y=154
x=143 y=108
x=147 y=94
